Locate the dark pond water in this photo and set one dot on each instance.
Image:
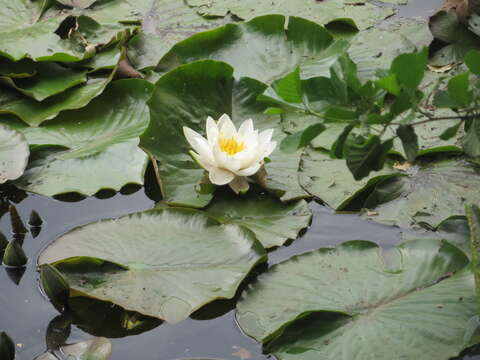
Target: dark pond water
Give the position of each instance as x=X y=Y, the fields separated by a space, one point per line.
x=212 y=332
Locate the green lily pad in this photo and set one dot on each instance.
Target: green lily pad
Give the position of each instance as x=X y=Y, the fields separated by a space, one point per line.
x=447 y=27
x=92 y=349
x=272 y=221
x=166 y=23
x=99 y=144
x=166 y=263
x=260 y=48
x=373 y=303
x=375 y=48
x=82 y=4
x=14 y=153
x=454 y=230
x=186 y=96
x=26 y=35
x=34 y=112
x=331 y=181
x=364 y=14
x=425 y=194
x=17 y=69
x=52 y=79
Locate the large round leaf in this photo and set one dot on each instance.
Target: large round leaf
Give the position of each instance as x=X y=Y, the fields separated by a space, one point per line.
x=14 y=153
x=24 y=34
x=186 y=96
x=34 y=112
x=52 y=79
x=101 y=141
x=272 y=221
x=166 y=23
x=331 y=181
x=259 y=49
x=401 y=304
x=425 y=194
x=169 y=262
x=363 y=13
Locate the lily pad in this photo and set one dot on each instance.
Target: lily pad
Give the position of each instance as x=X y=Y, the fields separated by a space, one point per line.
x=272 y=221
x=167 y=263
x=260 y=48
x=375 y=48
x=331 y=181
x=99 y=144
x=52 y=79
x=186 y=96
x=34 y=112
x=166 y=23
x=375 y=303
x=82 y=4
x=26 y=35
x=454 y=230
x=363 y=13
x=14 y=153
x=425 y=194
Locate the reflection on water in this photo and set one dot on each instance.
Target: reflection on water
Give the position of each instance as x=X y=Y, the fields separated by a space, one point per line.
x=35 y=325
x=211 y=332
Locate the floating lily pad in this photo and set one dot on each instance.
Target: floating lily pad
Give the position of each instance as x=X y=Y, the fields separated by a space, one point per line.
x=166 y=23
x=425 y=194
x=454 y=230
x=164 y=263
x=34 y=112
x=99 y=144
x=186 y=96
x=331 y=181
x=260 y=48
x=364 y=14
x=25 y=34
x=82 y=4
x=375 y=303
x=52 y=79
x=272 y=221
x=375 y=48
x=14 y=153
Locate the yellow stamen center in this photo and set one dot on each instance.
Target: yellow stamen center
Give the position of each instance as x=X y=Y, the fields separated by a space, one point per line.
x=231 y=146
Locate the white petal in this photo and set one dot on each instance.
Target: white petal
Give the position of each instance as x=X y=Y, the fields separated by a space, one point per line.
x=227 y=127
x=245 y=129
x=222 y=120
x=199 y=161
x=265 y=136
x=220 y=177
x=212 y=131
x=250 y=170
x=239 y=185
x=219 y=156
x=246 y=157
x=251 y=140
x=270 y=148
x=199 y=144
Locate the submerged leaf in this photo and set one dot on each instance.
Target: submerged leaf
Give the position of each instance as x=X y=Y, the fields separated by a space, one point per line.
x=14 y=154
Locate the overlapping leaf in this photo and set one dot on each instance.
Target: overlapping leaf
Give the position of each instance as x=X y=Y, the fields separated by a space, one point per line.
x=272 y=221
x=186 y=96
x=99 y=144
x=14 y=154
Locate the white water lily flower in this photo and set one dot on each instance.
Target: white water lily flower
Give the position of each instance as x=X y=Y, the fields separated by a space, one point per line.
x=230 y=156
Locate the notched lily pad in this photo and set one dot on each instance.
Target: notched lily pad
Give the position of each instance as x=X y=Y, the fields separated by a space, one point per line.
x=425 y=194
x=272 y=221
x=95 y=147
x=374 y=303
x=162 y=263
x=14 y=154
